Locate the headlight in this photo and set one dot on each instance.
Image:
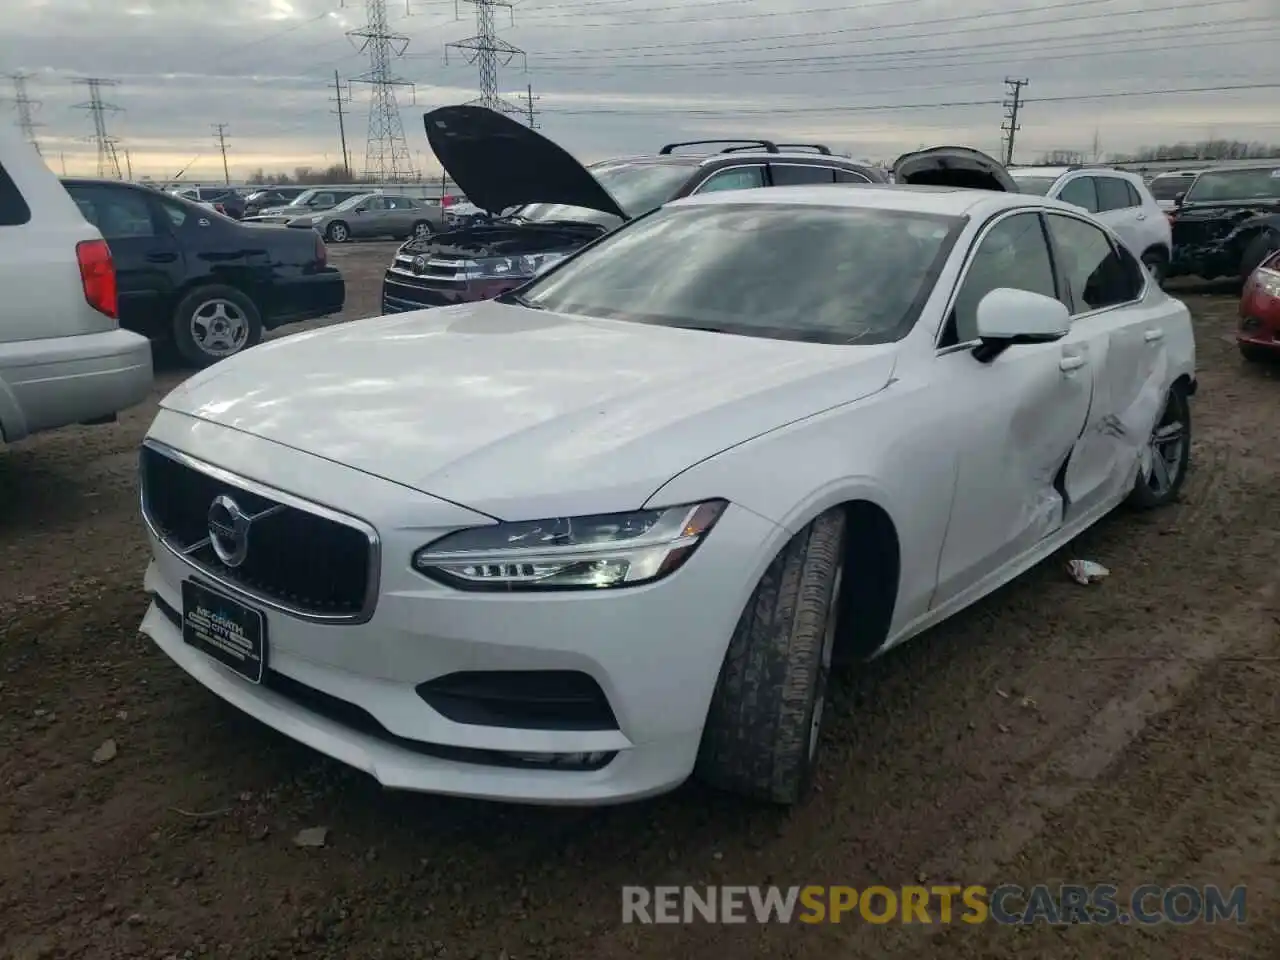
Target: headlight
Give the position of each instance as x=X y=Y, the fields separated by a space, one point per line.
x=570 y=553
x=515 y=268
x=1269 y=282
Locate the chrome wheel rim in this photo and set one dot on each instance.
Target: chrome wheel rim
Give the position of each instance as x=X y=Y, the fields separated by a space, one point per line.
x=824 y=663
x=338 y=232
x=219 y=327
x=1164 y=450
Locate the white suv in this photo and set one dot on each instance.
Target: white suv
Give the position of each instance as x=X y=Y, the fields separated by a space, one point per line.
x=1119 y=199
x=63 y=357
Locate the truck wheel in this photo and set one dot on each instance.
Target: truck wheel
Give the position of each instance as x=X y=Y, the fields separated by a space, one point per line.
x=765 y=721
x=1261 y=247
x=213 y=323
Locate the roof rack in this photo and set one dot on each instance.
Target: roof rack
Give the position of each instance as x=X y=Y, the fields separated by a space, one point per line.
x=815 y=147
x=766 y=145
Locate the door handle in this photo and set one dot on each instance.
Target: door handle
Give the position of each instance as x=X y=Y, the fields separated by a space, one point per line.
x=1141 y=216
x=1067 y=364
x=161 y=257
x=1151 y=336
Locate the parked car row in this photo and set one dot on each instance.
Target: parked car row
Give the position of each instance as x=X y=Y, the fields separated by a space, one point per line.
x=614 y=525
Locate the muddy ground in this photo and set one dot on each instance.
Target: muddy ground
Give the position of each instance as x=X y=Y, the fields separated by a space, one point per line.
x=1127 y=732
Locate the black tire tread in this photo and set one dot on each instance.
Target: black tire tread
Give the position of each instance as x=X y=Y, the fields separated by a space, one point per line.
x=756 y=740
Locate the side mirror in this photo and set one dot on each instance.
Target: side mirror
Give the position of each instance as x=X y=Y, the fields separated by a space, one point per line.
x=1007 y=317
x=1177 y=201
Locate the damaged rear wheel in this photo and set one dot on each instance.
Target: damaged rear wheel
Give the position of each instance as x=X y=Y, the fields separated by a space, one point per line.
x=1168 y=453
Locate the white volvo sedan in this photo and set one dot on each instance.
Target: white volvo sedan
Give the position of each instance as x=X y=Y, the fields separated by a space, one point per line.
x=611 y=530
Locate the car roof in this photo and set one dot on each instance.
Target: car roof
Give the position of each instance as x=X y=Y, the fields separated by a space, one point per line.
x=737 y=156
x=946 y=201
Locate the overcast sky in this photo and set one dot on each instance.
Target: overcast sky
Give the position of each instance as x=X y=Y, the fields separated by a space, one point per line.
x=870 y=77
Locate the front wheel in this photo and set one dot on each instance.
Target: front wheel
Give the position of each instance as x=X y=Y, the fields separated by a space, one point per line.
x=1167 y=455
x=765 y=722
x=213 y=323
x=337 y=232
x=421 y=230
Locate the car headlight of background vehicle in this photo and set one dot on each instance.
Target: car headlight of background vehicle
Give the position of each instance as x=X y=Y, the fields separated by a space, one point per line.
x=515 y=268
x=570 y=553
x=1268 y=281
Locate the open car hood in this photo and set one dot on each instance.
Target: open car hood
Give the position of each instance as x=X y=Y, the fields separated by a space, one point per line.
x=953 y=167
x=499 y=163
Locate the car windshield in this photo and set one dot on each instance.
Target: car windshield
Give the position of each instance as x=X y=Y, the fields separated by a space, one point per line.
x=790 y=272
x=301 y=199
x=352 y=202
x=636 y=187
x=1168 y=188
x=1258 y=183
x=1038 y=185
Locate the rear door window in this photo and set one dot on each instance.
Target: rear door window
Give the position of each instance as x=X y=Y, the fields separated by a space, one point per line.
x=793 y=174
x=13 y=207
x=119 y=213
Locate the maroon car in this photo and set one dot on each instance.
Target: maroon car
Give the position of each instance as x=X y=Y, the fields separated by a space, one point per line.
x=1259 y=331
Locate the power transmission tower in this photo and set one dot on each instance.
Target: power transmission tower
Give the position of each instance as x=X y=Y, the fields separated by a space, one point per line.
x=490 y=52
x=1012 y=106
x=220 y=131
x=26 y=108
x=108 y=162
x=386 y=157
x=529 y=100
x=340 y=98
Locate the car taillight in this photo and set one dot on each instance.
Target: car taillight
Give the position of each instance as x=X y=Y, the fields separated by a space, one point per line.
x=322 y=252
x=98 y=276
x=448 y=201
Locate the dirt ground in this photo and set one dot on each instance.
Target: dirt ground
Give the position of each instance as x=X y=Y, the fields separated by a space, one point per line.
x=1127 y=732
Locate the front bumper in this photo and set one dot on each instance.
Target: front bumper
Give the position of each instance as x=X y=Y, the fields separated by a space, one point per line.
x=655 y=651
x=401 y=293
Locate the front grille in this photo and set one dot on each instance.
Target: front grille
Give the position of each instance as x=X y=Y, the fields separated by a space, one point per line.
x=301 y=559
x=435 y=271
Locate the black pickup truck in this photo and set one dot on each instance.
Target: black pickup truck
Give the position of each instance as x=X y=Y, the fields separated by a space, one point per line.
x=200 y=280
x=1227 y=222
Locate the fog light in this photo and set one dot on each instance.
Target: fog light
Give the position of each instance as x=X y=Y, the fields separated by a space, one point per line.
x=592 y=760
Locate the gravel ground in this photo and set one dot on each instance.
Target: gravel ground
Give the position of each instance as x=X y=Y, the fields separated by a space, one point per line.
x=1126 y=732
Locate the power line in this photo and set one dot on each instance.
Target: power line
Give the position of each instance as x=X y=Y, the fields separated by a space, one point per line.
x=26 y=108
x=649 y=60
x=220 y=133
x=386 y=149
x=488 y=51
x=1011 y=125
x=108 y=162
x=861 y=108
x=340 y=99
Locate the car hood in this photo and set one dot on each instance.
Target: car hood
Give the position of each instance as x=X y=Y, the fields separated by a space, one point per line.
x=499 y=163
x=521 y=413
x=1228 y=209
x=953 y=167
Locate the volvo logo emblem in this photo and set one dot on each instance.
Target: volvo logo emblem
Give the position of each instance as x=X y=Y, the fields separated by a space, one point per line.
x=229 y=531
x=419 y=264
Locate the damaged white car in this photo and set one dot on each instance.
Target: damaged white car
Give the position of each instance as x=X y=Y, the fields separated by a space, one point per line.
x=613 y=529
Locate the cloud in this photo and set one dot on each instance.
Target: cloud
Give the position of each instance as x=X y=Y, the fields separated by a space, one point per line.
x=616 y=77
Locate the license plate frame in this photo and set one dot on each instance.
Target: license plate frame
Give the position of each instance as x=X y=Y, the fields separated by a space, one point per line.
x=225 y=630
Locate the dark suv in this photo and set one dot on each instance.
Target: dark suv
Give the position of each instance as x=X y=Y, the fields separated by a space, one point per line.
x=1228 y=221
x=544 y=205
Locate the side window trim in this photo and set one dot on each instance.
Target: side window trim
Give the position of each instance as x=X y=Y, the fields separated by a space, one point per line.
x=969 y=257
x=737 y=166
x=1118 y=249
x=801 y=165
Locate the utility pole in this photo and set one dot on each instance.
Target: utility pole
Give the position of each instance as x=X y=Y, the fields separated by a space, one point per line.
x=128 y=163
x=220 y=132
x=108 y=162
x=489 y=52
x=529 y=99
x=26 y=108
x=1012 y=106
x=339 y=99
x=386 y=154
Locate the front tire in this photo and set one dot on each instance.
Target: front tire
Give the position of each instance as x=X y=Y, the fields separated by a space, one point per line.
x=1168 y=454
x=337 y=232
x=421 y=230
x=215 y=322
x=765 y=721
